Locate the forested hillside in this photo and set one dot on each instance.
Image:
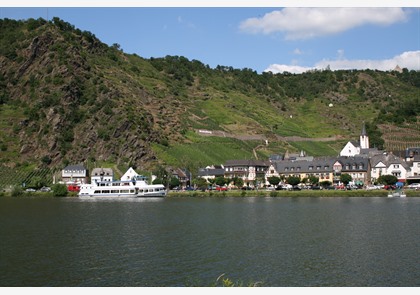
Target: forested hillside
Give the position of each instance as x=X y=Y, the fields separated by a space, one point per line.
x=66 y=97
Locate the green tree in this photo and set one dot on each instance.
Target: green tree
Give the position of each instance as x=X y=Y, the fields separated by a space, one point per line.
x=174 y=182
x=238 y=182
x=59 y=190
x=274 y=180
x=345 y=178
x=313 y=179
x=37 y=182
x=293 y=180
x=387 y=179
x=200 y=183
x=220 y=181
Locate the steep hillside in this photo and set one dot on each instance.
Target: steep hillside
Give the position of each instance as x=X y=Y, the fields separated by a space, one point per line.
x=65 y=97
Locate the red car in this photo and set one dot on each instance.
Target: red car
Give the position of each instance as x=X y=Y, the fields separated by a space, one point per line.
x=221 y=188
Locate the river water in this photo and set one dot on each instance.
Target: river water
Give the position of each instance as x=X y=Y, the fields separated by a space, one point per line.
x=278 y=242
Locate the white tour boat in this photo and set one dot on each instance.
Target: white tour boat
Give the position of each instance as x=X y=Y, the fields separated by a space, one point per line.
x=136 y=187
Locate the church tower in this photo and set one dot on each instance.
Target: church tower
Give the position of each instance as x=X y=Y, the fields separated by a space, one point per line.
x=364 y=138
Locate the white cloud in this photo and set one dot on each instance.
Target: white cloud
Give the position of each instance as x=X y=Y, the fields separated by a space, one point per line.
x=408 y=59
x=297 y=51
x=306 y=23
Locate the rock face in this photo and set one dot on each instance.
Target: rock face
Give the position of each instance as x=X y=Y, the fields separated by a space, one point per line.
x=73 y=111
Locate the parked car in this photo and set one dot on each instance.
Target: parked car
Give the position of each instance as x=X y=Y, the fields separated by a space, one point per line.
x=221 y=188
x=30 y=190
x=287 y=187
x=315 y=187
x=415 y=186
x=372 y=187
x=390 y=187
x=45 y=189
x=246 y=188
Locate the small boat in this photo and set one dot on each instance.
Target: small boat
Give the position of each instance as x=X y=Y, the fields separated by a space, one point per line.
x=134 y=188
x=397 y=194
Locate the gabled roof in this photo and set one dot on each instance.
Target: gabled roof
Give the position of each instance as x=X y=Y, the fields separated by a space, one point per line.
x=102 y=171
x=211 y=172
x=354 y=161
x=318 y=165
x=75 y=167
x=247 y=163
x=387 y=160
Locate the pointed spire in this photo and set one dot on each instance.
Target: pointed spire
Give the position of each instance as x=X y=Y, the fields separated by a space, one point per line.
x=364 y=133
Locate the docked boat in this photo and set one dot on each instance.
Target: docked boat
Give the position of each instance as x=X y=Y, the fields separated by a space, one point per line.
x=136 y=187
x=397 y=194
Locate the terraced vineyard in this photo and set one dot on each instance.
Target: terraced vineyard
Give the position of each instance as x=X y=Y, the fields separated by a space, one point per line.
x=18 y=176
x=400 y=138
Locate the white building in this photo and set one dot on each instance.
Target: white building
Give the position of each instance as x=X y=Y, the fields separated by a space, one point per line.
x=129 y=175
x=388 y=164
x=353 y=148
x=102 y=174
x=74 y=174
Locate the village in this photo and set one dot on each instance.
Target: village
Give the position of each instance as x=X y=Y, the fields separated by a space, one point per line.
x=362 y=165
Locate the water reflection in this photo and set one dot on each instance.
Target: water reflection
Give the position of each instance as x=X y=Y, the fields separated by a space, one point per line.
x=174 y=241
x=115 y=200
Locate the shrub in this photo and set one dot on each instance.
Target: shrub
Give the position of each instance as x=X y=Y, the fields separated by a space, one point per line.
x=17 y=191
x=59 y=190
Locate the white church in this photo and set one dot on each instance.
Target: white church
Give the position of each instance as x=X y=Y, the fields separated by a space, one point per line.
x=354 y=148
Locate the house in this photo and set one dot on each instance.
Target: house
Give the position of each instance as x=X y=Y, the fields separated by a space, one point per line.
x=389 y=164
x=248 y=170
x=129 y=175
x=211 y=172
x=102 y=174
x=410 y=153
x=318 y=167
x=74 y=174
x=415 y=170
x=183 y=175
x=356 y=167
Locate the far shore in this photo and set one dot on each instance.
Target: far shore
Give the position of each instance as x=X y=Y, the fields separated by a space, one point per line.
x=254 y=193
x=302 y=193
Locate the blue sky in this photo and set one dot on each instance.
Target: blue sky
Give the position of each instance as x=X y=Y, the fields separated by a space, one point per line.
x=261 y=38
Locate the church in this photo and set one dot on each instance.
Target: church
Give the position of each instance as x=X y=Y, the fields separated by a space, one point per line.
x=354 y=148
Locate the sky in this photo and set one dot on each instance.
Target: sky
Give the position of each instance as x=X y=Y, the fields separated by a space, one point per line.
x=261 y=38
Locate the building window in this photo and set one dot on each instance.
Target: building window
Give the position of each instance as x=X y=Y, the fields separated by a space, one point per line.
x=311 y=167
x=396 y=166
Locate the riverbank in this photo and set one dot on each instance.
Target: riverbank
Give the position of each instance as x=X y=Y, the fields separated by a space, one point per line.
x=256 y=193
x=303 y=193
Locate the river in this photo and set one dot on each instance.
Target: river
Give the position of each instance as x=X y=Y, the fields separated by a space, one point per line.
x=279 y=242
